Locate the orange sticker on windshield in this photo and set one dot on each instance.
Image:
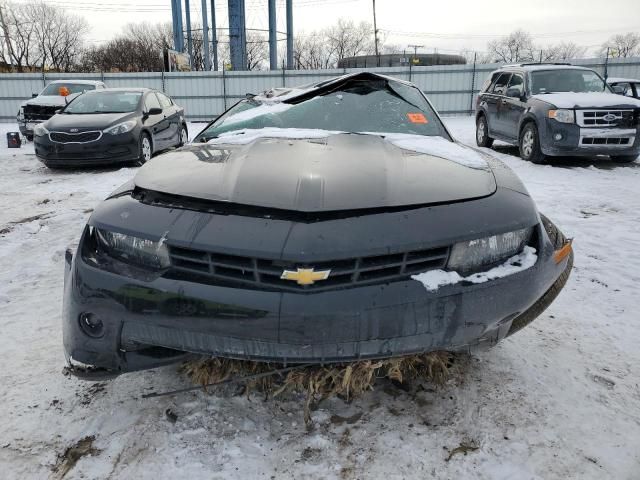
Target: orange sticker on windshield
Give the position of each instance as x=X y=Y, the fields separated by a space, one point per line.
x=417 y=118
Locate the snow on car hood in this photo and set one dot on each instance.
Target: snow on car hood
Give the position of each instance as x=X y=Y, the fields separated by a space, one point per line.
x=313 y=171
x=586 y=100
x=434 y=279
x=436 y=146
x=47 y=100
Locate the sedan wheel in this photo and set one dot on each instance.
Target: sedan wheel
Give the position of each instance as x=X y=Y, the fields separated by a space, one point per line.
x=145 y=149
x=184 y=137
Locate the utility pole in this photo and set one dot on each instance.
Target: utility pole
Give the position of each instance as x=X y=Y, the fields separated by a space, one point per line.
x=606 y=66
x=273 y=40
x=205 y=37
x=289 y=15
x=214 y=36
x=187 y=11
x=375 y=34
x=415 y=50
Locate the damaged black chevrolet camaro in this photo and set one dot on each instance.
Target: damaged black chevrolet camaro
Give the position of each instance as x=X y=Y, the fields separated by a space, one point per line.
x=334 y=222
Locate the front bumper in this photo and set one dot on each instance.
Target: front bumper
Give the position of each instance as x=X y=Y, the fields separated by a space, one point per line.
x=147 y=324
x=588 y=141
x=107 y=150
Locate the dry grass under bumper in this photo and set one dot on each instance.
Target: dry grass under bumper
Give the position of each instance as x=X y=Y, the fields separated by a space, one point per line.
x=318 y=382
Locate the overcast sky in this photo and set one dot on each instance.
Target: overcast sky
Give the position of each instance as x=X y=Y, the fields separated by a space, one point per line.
x=445 y=25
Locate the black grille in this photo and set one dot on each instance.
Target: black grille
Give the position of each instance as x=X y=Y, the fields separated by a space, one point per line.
x=82 y=137
x=259 y=273
x=39 y=112
x=606 y=141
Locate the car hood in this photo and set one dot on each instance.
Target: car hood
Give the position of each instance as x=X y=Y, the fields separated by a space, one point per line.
x=588 y=100
x=49 y=100
x=339 y=172
x=99 y=121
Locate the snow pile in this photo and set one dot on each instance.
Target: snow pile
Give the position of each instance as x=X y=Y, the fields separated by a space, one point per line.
x=435 y=279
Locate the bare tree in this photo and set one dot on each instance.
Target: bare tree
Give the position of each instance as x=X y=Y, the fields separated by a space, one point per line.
x=346 y=39
x=515 y=47
x=622 y=45
x=59 y=34
x=19 y=39
x=566 y=51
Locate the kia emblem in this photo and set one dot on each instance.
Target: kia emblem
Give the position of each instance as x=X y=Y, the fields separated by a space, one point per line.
x=73 y=130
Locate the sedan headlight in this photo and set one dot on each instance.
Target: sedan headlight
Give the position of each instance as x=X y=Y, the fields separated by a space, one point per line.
x=563 y=116
x=20 y=115
x=473 y=255
x=40 y=130
x=127 y=248
x=123 y=127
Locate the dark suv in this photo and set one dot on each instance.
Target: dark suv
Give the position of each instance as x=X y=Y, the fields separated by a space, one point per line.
x=557 y=110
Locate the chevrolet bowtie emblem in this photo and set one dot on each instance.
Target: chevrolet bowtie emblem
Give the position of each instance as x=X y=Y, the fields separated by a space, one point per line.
x=305 y=276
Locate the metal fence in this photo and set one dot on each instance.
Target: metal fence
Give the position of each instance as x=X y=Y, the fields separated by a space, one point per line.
x=204 y=95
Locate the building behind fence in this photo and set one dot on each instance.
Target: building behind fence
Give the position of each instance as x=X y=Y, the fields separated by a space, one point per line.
x=204 y=95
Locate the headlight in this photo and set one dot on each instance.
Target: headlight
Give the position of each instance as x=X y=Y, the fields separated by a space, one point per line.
x=40 y=130
x=473 y=255
x=123 y=127
x=20 y=115
x=135 y=250
x=564 y=116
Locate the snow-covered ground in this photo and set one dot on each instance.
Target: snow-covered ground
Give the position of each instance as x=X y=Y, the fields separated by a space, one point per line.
x=559 y=400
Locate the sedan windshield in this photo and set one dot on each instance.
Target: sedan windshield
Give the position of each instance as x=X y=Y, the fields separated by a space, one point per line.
x=67 y=88
x=356 y=106
x=104 y=102
x=567 y=80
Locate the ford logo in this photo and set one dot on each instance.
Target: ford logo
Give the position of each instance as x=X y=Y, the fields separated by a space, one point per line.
x=609 y=117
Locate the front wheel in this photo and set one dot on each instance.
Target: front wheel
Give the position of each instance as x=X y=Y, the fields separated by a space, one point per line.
x=530 y=144
x=145 y=149
x=184 y=136
x=482 y=133
x=623 y=158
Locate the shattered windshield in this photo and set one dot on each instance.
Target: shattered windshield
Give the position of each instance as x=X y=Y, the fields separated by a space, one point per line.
x=567 y=80
x=355 y=106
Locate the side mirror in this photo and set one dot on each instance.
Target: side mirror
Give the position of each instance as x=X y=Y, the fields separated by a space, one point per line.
x=514 y=93
x=154 y=111
x=34 y=95
x=619 y=89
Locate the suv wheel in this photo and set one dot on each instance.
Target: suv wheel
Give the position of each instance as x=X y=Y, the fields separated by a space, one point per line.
x=530 y=144
x=482 y=133
x=623 y=158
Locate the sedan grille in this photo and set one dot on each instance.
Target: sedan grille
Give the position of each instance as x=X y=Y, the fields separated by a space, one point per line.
x=605 y=118
x=259 y=273
x=82 y=137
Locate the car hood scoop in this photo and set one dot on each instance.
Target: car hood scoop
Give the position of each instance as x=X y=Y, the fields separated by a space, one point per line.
x=339 y=172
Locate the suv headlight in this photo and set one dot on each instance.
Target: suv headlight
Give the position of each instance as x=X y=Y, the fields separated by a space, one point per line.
x=127 y=248
x=474 y=255
x=40 y=130
x=563 y=116
x=20 y=115
x=123 y=127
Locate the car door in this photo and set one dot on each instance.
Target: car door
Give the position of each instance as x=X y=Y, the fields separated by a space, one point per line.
x=493 y=101
x=172 y=114
x=157 y=123
x=513 y=107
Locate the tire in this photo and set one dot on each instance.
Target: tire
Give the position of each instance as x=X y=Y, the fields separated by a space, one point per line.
x=482 y=133
x=530 y=144
x=145 y=149
x=29 y=138
x=184 y=136
x=624 y=158
x=558 y=240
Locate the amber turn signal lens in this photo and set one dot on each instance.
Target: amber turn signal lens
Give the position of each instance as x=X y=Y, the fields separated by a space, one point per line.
x=563 y=252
